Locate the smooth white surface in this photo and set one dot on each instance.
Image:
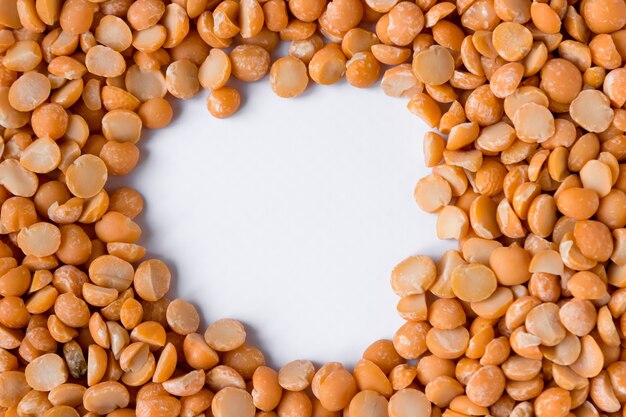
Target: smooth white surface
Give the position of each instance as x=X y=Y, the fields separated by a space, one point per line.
x=290 y=215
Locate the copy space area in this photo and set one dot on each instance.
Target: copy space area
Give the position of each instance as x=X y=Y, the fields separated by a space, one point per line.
x=290 y=215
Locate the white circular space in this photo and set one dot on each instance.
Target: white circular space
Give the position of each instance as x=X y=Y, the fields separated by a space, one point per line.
x=290 y=215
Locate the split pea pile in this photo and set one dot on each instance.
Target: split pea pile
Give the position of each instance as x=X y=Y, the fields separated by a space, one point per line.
x=527 y=318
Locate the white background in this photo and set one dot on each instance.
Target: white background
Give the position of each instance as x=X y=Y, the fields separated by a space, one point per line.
x=290 y=215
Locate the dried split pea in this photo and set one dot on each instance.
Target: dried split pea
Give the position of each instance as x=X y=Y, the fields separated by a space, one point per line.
x=473 y=282
x=215 y=70
x=512 y=41
x=223 y=102
x=561 y=80
x=182 y=317
x=29 y=91
x=533 y=123
x=155 y=113
x=181 y=78
x=409 y=402
x=328 y=65
x=400 y=82
x=225 y=335
x=362 y=70
x=152 y=280
x=434 y=65
x=296 y=375
x=249 y=63
x=432 y=193
x=414 y=275
x=591 y=110
x=288 y=77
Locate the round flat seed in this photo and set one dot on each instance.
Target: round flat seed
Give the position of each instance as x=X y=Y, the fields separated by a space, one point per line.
x=533 y=123
x=86 y=176
x=512 y=41
x=409 y=402
x=40 y=239
x=114 y=33
x=561 y=80
x=473 y=282
x=597 y=176
x=432 y=193
x=485 y=386
x=434 y=65
x=225 y=335
x=181 y=78
x=543 y=321
x=29 y=91
x=362 y=70
x=152 y=280
x=452 y=223
x=182 y=317
x=328 y=65
x=215 y=70
x=46 y=372
x=288 y=77
x=122 y=126
x=105 y=62
x=223 y=102
x=591 y=110
x=414 y=275
x=249 y=62
x=41 y=156
x=296 y=375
